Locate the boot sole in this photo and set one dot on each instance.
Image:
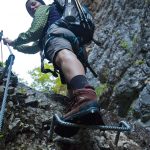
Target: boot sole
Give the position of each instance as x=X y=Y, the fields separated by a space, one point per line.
x=90 y=116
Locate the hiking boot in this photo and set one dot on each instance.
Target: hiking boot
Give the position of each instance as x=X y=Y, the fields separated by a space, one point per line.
x=83 y=110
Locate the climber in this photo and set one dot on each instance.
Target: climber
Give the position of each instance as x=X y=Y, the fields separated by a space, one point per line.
x=44 y=32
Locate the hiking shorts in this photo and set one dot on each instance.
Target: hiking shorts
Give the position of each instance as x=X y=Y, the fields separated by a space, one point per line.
x=57 y=39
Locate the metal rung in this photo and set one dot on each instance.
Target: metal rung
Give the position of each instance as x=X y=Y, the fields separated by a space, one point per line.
x=123 y=126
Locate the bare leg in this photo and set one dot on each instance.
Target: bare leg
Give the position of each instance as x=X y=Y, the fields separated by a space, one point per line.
x=69 y=64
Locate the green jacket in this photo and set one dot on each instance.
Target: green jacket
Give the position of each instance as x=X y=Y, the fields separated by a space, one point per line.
x=34 y=33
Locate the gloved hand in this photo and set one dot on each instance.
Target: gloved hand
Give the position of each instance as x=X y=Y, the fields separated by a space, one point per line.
x=8 y=41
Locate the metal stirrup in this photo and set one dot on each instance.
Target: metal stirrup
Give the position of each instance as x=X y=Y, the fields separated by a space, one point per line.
x=123 y=126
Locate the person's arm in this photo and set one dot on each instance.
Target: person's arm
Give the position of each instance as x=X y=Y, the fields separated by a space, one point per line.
x=33 y=34
x=35 y=31
x=28 y=49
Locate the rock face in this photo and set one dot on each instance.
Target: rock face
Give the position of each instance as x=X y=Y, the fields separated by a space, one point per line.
x=122 y=63
x=122 y=60
x=28 y=116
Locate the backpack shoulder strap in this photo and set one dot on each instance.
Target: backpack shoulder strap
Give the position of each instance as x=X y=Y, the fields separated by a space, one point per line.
x=60 y=4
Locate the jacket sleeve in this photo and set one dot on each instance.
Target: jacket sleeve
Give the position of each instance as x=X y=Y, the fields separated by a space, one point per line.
x=35 y=31
x=28 y=49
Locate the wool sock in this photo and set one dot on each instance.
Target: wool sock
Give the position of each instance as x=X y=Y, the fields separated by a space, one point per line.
x=78 y=82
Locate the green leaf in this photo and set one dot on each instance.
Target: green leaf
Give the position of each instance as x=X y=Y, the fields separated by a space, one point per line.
x=46 y=82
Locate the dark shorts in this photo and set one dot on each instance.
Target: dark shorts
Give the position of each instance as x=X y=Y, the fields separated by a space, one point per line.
x=59 y=38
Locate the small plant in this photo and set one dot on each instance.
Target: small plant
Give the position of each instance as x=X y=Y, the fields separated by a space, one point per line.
x=147 y=1
x=139 y=62
x=1 y=136
x=46 y=82
x=22 y=91
x=116 y=33
x=58 y=87
x=2 y=64
x=124 y=44
x=135 y=39
x=101 y=89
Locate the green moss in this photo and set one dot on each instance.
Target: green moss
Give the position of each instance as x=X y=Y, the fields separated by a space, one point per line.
x=1 y=136
x=135 y=39
x=2 y=64
x=116 y=33
x=147 y=1
x=22 y=91
x=101 y=89
x=124 y=44
x=58 y=87
x=139 y=62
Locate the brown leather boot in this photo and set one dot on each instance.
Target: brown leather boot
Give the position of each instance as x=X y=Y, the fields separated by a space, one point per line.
x=83 y=110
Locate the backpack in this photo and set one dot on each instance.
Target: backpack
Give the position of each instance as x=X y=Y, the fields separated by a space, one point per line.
x=77 y=18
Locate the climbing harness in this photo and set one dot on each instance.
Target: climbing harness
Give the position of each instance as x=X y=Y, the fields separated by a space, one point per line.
x=123 y=126
x=43 y=70
x=7 y=70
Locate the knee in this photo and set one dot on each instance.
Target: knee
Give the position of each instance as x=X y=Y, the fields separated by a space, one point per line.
x=64 y=56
